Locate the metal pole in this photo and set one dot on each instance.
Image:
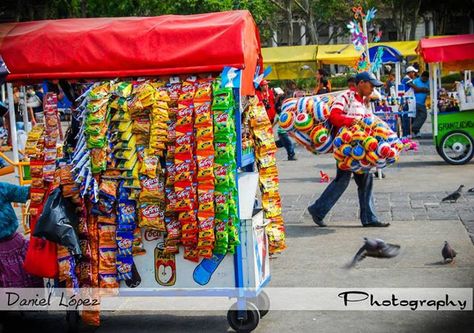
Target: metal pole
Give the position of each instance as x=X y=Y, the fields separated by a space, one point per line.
x=397 y=76
x=434 y=97
x=24 y=108
x=3 y=93
x=11 y=112
x=366 y=51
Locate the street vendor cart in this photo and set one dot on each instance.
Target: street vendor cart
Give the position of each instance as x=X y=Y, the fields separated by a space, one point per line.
x=452 y=112
x=222 y=49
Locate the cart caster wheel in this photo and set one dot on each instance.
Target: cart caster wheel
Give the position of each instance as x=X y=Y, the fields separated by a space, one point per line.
x=243 y=325
x=73 y=319
x=263 y=303
x=457 y=148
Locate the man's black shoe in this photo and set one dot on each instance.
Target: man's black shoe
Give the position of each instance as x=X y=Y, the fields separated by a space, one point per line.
x=292 y=158
x=376 y=225
x=316 y=219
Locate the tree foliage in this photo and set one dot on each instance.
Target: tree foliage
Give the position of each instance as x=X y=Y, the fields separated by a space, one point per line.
x=270 y=15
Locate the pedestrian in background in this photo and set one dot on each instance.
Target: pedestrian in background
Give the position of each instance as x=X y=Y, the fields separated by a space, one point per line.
x=422 y=89
x=323 y=87
x=267 y=98
x=321 y=75
x=409 y=107
x=13 y=245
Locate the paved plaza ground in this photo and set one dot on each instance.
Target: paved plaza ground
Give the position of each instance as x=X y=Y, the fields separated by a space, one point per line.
x=409 y=198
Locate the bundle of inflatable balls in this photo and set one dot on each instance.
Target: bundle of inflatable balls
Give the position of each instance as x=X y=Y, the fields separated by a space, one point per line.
x=305 y=120
x=370 y=143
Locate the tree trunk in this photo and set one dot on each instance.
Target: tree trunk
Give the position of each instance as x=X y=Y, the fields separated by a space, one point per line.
x=83 y=8
x=414 y=20
x=289 y=15
x=311 y=24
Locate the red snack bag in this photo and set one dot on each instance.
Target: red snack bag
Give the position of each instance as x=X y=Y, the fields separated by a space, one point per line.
x=187 y=217
x=173 y=228
x=206 y=197
x=206 y=222
x=188 y=89
x=184 y=142
x=191 y=254
x=202 y=112
x=203 y=89
x=183 y=167
x=205 y=165
x=183 y=196
x=170 y=199
x=184 y=115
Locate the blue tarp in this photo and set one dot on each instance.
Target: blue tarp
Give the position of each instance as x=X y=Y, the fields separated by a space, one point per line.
x=389 y=55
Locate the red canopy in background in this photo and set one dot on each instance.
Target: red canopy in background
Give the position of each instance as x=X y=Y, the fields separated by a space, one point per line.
x=132 y=46
x=447 y=49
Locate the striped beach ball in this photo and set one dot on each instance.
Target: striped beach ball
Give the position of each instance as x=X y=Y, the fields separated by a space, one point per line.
x=303 y=122
x=287 y=120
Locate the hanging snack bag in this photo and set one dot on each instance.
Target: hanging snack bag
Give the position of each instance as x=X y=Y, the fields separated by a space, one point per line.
x=188 y=90
x=152 y=216
x=184 y=115
x=152 y=189
x=222 y=99
x=124 y=242
x=138 y=248
x=202 y=113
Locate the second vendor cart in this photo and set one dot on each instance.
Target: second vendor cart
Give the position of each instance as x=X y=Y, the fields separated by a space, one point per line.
x=453 y=118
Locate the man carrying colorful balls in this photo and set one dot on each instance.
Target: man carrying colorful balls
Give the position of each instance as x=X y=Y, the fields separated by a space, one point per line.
x=347 y=111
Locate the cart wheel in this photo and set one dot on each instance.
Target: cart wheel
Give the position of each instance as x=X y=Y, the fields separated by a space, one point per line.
x=243 y=325
x=457 y=148
x=73 y=319
x=263 y=303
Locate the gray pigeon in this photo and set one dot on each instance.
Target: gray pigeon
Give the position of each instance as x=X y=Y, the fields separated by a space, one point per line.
x=448 y=252
x=376 y=248
x=471 y=190
x=453 y=197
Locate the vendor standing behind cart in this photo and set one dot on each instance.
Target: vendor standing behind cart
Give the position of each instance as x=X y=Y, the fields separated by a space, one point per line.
x=422 y=89
x=408 y=107
x=13 y=245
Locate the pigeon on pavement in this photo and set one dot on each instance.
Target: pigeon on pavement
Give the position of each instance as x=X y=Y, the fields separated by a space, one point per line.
x=454 y=196
x=471 y=190
x=376 y=248
x=448 y=252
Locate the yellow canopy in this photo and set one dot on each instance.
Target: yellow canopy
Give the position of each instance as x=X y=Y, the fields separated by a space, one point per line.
x=287 y=61
x=406 y=49
x=338 y=54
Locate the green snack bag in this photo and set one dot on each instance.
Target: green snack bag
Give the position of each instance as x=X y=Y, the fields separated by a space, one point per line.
x=221 y=196
x=96 y=142
x=123 y=89
x=223 y=99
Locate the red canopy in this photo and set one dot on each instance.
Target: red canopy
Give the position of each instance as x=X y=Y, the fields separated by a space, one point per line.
x=132 y=46
x=447 y=49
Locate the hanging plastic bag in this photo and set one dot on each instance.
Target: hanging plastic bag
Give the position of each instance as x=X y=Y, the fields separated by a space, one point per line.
x=58 y=222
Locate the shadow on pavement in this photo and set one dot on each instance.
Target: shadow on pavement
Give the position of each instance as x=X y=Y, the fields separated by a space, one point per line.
x=299 y=231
